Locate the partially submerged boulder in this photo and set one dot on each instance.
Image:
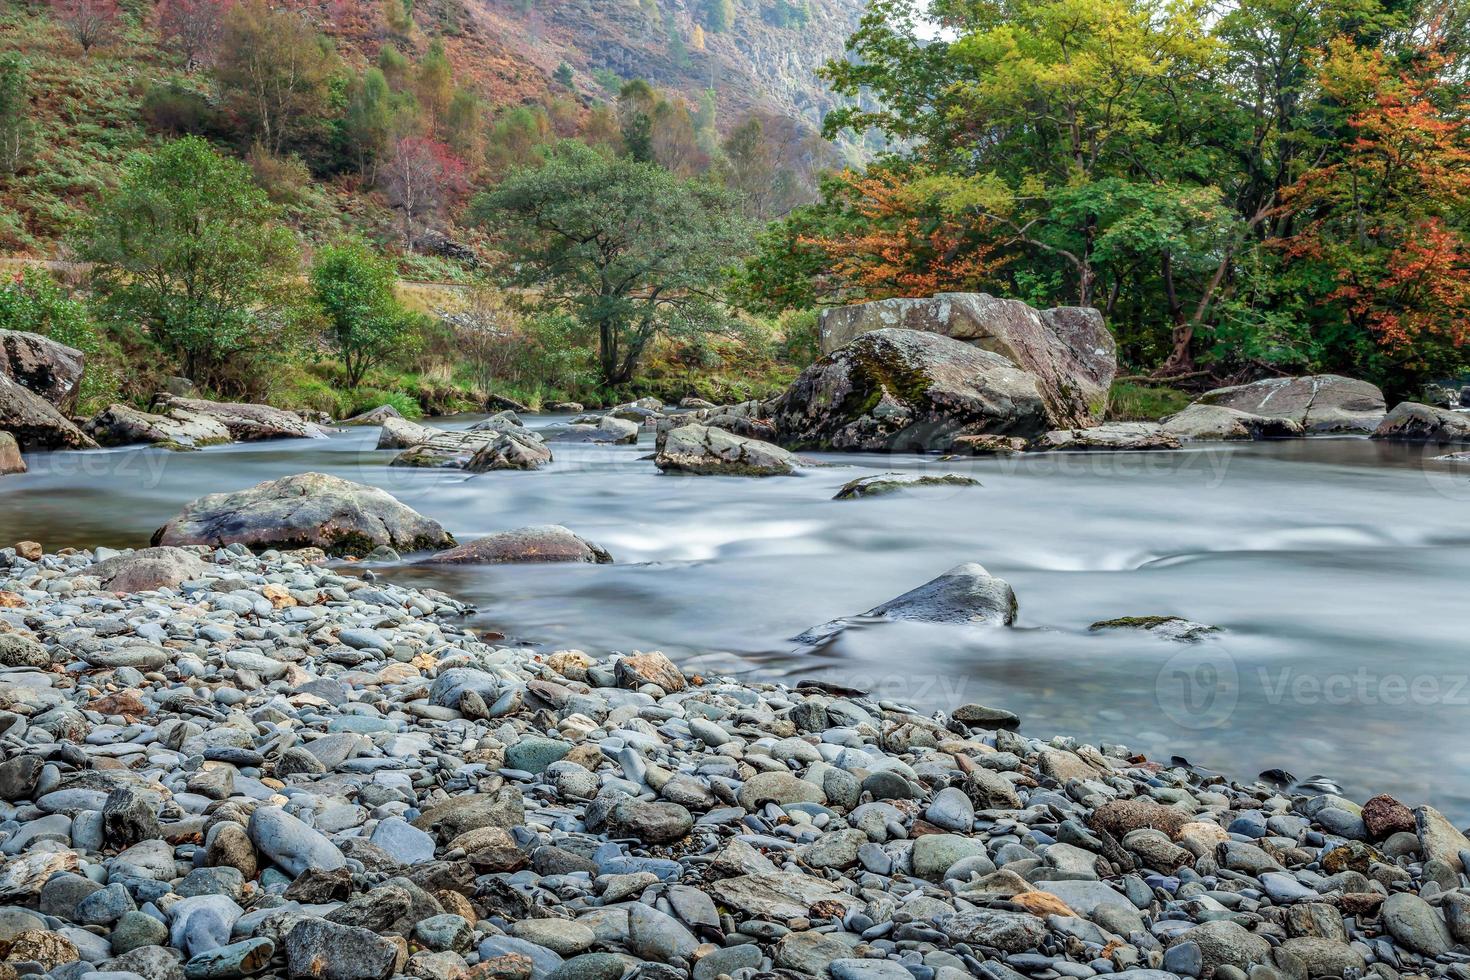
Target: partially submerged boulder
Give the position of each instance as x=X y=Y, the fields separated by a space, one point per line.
x=246 y=422
x=1164 y=627
x=749 y=419
x=607 y=430
x=907 y=391
x=42 y=365
x=150 y=568
x=510 y=451
x=302 y=511
x=878 y=484
x=1319 y=403
x=1116 y=436
x=988 y=446
x=1413 y=422
x=538 y=543
x=11 y=460
x=704 y=451
x=35 y=423
x=1069 y=349
x=966 y=594
x=1220 y=423
x=400 y=433
x=123 y=425
x=376 y=416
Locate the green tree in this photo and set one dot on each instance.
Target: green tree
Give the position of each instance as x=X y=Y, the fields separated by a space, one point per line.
x=187 y=247
x=719 y=15
x=630 y=249
x=563 y=75
x=274 y=71
x=353 y=288
x=636 y=104
x=434 y=82
x=14 y=112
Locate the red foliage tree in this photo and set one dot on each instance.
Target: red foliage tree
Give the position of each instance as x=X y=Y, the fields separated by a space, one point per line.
x=421 y=177
x=89 y=22
x=193 y=27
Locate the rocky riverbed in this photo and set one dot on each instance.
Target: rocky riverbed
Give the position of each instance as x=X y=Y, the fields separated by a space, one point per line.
x=218 y=764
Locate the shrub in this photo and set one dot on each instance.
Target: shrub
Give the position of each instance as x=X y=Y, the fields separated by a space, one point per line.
x=35 y=303
x=174 y=110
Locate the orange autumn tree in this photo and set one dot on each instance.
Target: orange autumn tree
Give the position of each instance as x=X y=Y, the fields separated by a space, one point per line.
x=1388 y=219
x=918 y=235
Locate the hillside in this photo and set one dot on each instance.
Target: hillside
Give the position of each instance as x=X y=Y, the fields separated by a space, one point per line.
x=89 y=109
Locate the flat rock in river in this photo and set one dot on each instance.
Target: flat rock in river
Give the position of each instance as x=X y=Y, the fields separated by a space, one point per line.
x=885 y=483
x=537 y=543
x=123 y=425
x=701 y=450
x=907 y=391
x=247 y=422
x=1070 y=350
x=1118 y=436
x=1319 y=403
x=1220 y=423
x=965 y=594
x=301 y=511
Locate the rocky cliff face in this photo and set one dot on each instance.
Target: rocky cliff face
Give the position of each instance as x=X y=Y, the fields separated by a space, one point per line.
x=766 y=59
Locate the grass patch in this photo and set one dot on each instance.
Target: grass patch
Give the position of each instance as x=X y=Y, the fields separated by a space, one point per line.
x=1131 y=402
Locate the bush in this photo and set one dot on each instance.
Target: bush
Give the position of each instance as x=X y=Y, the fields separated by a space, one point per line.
x=1129 y=402
x=800 y=337
x=285 y=179
x=174 y=110
x=366 y=399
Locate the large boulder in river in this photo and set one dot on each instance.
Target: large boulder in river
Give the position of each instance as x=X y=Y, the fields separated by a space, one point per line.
x=1319 y=403
x=606 y=430
x=539 y=543
x=303 y=511
x=966 y=594
x=1413 y=422
x=1116 y=436
x=1069 y=349
x=1217 y=423
x=907 y=391
x=245 y=421
x=400 y=433
x=10 y=458
x=704 y=451
x=40 y=364
x=35 y=423
x=123 y=425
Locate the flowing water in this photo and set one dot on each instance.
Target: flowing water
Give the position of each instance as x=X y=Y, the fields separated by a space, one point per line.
x=1335 y=566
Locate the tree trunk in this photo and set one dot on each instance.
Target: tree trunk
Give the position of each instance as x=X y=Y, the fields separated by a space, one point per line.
x=1181 y=357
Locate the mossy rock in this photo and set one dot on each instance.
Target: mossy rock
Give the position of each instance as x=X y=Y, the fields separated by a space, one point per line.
x=885 y=483
x=1167 y=627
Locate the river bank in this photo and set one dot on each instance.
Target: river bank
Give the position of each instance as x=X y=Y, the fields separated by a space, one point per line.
x=253 y=763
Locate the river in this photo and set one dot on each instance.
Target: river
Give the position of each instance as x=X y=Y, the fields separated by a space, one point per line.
x=1336 y=568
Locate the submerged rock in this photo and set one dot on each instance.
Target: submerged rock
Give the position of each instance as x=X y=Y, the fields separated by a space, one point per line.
x=1069 y=349
x=1124 y=436
x=1319 y=403
x=1413 y=422
x=886 y=483
x=539 y=543
x=907 y=391
x=1166 y=627
x=703 y=451
x=966 y=594
x=301 y=511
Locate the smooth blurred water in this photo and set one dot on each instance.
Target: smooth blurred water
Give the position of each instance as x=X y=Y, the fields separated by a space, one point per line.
x=1337 y=568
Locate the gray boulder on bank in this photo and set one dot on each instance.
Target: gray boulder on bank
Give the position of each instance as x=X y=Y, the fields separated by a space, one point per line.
x=42 y=365
x=1319 y=403
x=907 y=391
x=245 y=421
x=1116 y=436
x=703 y=451
x=1069 y=349
x=123 y=425
x=966 y=594
x=303 y=511
x=150 y=568
x=11 y=460
x=1413 y=422
x=1220 y=423
x=35 y=423
x=538 y=543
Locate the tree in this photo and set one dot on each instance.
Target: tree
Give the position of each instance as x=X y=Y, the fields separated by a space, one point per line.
x=193 y=28
x=434 y=83
x=274 y=71
x=630 y=249
x=353 y=288
x=89 y=22
x=187 y=246
x=398 y=16
x=719 y=15
x=636 y=104
x=518 y=137
x=14 y=112
x=563 y=75
x=421 y=177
